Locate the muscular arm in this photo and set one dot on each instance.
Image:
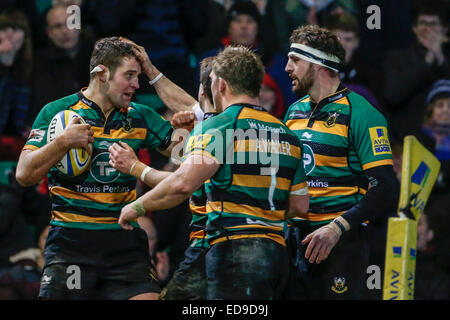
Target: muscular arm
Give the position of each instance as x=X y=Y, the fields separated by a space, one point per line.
x=34 y=165
x=123 y=158
x=298 y=205
x=174 y=97
x=174 y=189
x=380 y=200
x=178 y=186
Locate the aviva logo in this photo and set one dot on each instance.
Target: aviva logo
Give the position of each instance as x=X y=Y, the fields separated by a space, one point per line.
x=380 y=141
x=421 y=174
x=397 y=251
x=412 y=254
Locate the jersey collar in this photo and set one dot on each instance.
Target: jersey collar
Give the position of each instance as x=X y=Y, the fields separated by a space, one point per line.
x=341 y=92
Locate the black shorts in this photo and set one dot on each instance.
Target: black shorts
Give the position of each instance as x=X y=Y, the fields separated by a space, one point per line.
x=249 y=268
x=97 y=264
x=189 y=280
x=341 y=276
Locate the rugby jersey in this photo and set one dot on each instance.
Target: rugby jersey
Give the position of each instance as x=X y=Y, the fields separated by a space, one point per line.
x=342 y=135
x=94 y=199
x=260 y=164
x=197 y=205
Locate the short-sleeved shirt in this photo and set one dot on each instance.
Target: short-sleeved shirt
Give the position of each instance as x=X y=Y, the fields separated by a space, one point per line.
x=94 y=199
x=343 y=135
x=260 y=166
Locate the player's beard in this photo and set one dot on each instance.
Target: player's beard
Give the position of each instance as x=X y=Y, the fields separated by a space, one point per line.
x=305 y=84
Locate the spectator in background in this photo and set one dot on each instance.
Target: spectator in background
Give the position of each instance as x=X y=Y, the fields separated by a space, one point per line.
x=167 y=29
x=357 y=74
x=439 y=221
x=33 y=16
x=243 y=28
x=431 y=283
x=15 y=95
x=276 y=23
x=317 y=11
x=271 y=97
x=437 y=118
x=410 y=72
x=437 y=127
x=62 y=67
x=15 y=69
x=394 y=31
x=19 y=277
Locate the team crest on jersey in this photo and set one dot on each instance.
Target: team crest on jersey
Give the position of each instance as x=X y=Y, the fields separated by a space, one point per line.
x=339 y=285
x=332 y=118
x=126 y=125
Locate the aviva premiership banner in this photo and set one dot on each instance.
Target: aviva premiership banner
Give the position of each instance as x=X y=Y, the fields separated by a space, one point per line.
x=420 y=169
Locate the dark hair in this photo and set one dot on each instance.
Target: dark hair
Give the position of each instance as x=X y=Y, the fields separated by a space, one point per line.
x=110 y=52
x=430 y=7
x=321 y=39
x=23 y=61
x=241 y=69
x=342 y=21
x=242 y=7
x=205 y=69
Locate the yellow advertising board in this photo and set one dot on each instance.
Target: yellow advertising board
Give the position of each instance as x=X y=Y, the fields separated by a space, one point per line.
x=420 y=169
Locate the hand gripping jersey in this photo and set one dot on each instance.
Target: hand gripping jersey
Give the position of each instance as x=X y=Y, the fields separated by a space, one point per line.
x=94 y=199
x=342 y=135
x=260 y=165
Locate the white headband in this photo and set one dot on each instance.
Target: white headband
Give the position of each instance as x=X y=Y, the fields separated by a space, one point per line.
x=316 y=56
x=97 y=69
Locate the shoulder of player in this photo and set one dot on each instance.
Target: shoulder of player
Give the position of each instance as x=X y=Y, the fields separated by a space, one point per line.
x=219 y=122
x=141 y=111
x=300 y=101
x=140 y=108
x=52 y=108
x=362 y=108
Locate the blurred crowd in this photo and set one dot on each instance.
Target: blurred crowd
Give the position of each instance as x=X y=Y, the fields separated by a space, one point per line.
x=402 y=68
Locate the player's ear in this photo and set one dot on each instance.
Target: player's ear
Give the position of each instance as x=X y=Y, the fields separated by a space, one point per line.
x=222 y=85
x=102 y=72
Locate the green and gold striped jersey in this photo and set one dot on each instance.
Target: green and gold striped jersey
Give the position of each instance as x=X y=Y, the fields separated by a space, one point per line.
x=260 y=165
x=342 y=135
x=94 y=199
x=197 y=205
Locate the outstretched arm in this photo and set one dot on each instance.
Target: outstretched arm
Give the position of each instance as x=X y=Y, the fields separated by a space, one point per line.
x=174 y=97
x=173 y=190
x=123 y=158
x=34 y=165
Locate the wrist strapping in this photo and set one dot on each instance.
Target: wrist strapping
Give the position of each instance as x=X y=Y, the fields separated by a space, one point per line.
x=138 y=207
x=334 y=227
x=159 y=76
x=144 y=172
x=132 y=167
x=137 y=170
x=342 y=224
